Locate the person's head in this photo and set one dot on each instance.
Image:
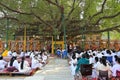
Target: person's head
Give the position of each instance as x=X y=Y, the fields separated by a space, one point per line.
x=116 y=57
x=85 y=55
x=108 y=52
x=35 y=56
x=96 y=59
x=118 y=60
x=102 y=53
x=103 y=61
x=113 y=50
x=14 y=50
x=93 y=54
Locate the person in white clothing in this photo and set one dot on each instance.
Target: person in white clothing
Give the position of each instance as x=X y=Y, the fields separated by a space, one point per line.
x=94 y=71
x=91 y=59
x=104 y=51
x=73 y=66
x=14 y=53
x=32 y=54
x=115 y=60
x=99 y=55
x=77 y=55
x=114 y=56
x=44 y=57
x=13 y=64
x=36 y=63
x=116 y=67
x=22 y=53
x=27 y=53
x=118 y=53
x=9 y=53
x=3 y=63
x=103 y=66
x=24 y=65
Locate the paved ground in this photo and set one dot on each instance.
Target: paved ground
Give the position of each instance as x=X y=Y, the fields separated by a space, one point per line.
x=56 y=69
x=11 y=78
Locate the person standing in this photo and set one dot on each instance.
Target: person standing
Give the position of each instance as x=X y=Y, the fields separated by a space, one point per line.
x=73 y=65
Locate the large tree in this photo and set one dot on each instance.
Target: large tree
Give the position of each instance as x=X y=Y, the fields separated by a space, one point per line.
x=51 y=16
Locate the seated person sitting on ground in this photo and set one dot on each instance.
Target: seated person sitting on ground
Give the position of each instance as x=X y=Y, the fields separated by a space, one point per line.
x=36 y=63
x=58 y=52
x=24 y=65
x=44 y=57
x=13 y=65
x=3 y=63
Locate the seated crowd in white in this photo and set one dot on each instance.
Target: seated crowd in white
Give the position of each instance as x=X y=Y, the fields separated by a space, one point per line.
x=99 y=61
x=23 y=62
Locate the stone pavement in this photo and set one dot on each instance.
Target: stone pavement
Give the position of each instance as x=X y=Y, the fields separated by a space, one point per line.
x=56 y=69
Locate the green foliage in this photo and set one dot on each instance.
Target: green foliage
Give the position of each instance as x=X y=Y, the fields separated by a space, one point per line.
x=50 y=13
x=114 y=35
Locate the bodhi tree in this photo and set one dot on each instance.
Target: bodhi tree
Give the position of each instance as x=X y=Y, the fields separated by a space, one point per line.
x=51 y=16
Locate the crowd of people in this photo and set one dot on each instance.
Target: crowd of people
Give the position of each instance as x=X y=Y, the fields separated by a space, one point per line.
x=23 y=61
x=101 y=60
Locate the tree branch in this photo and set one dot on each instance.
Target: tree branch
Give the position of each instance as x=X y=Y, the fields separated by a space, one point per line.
x=14 y=10
x=74 y=33
x=101 y=11
x=38 y=17
x=72 y=9
x=118 y=30
x=31 y=14
x=49 y=1
x=61 y=8
x=103 y=30
x=21 y=22
x=57 y=2
x=107 y=17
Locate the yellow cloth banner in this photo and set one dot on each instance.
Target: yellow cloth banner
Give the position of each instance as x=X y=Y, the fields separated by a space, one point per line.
x=5 y=53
